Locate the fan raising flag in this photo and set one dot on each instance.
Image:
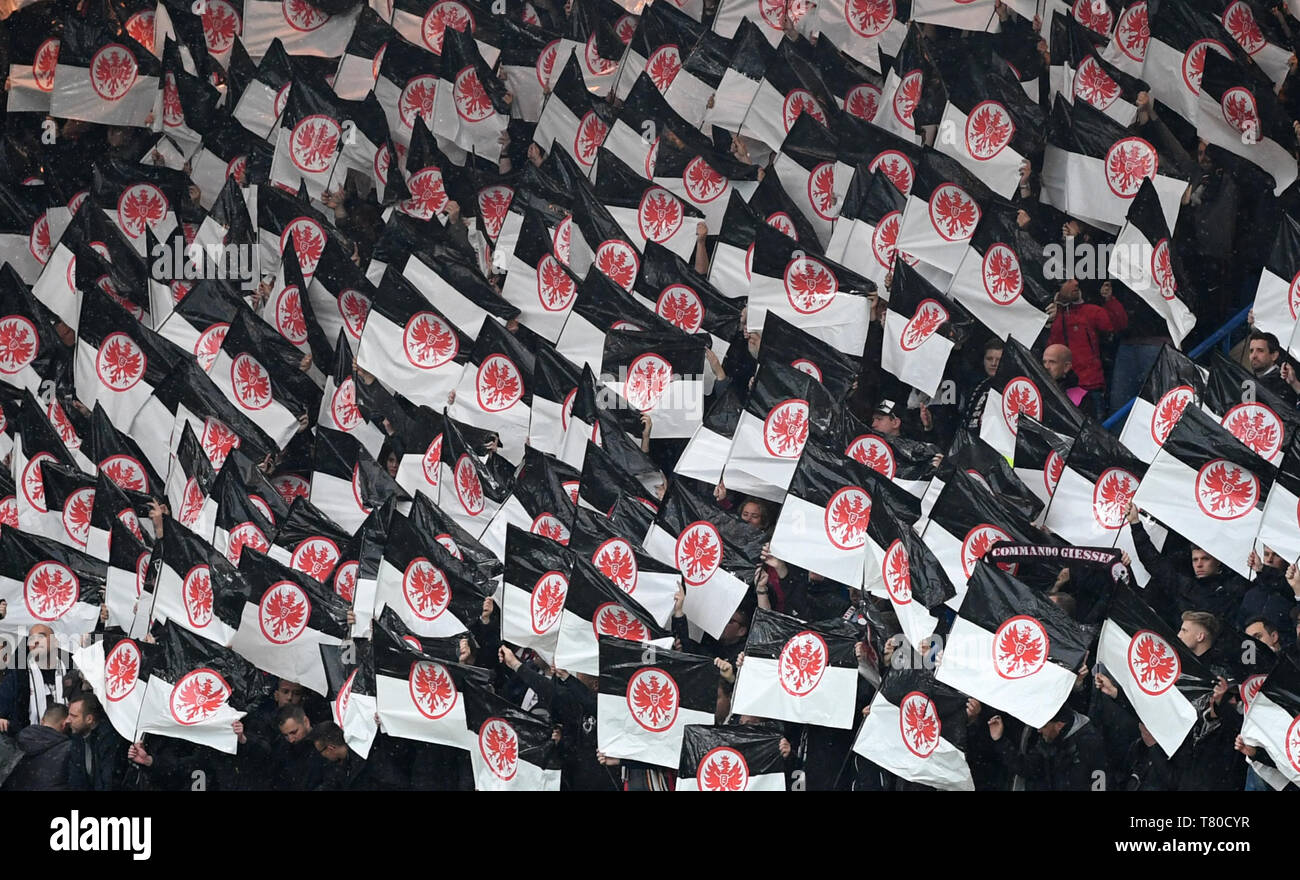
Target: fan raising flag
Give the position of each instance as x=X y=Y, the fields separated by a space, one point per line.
x=917 y=731
x=1277 y=296
x=597 y=606
x=734 y=757
x=1173 y=382
x=533 y=593
x=1022 y=385
x=1273 y=720
x=1244 y=117
x=511 y=750
x=47 y=582
x=920 y=327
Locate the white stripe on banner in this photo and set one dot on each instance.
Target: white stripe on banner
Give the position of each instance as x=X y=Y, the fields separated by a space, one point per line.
x=389 y=591
x=399 y=716
x=297 y=660
x=1273 y=310
x=1000 y=172
x=169 y=604
x=922 y=367
x=1169 y=715
x=1267 y=725
x=1280 y=528
x=760 y=691
x=762 y=782
x=750 y=468
x=880 y=740
x=801 y=539
x=620 y=735
x=214 y=731
x=527 y=777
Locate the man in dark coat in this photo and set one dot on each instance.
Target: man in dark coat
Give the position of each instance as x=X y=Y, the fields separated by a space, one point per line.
x=1065 y=754
x=46 y=751
x=98 y=753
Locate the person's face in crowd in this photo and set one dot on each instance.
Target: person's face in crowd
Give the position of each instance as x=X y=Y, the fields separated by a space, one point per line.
x=885 y=425
x=992 y=359
x=736 y=629
x=78 y=721
x=116 y=136
x=1194 y=637
x=1259 y=631
x=390 y=464
x=1260 y=357
x=288 y=693
x=294 y=730
x=334 y=754
x=1203 y=564
x=1054 y=361
x=1069 y=292
x=752 y=512
x=1203 y=156
x=1051 y=730
x=40 y=641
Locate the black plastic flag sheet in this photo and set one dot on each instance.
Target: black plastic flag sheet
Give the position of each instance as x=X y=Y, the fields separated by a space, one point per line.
x=417 y=440
x=308 y=541
x=340 y=295
x=1089 y=505
x=1040 y=455
x=647 y=696
x=538 y=503
x=355 y=583
x=806 y=673
x=101 y=78
x=427 y=517
x=308 y=137
x=1013 y=649
x=493 y=392
x=1080 y=74
x=917 y=731
x=966 y=520
x=1279 y=530
x=1272 y=724
x=128 y=568
x=1143 y=259
x=619 y=557
x=1163 y=681
x=1000 y=279
x=1021 y=385
x=533 y=591
x=1093 y=167
x=703 y=178
x=265 y=89
x=196 y=690
x=687 y=300
x=660 y=373
x=596 y=606
x=862 y=27
x=339 y=407
x=817 y=295
x=538 y=282
x=1209 y=488
x=944 y=208
x=48 y=582
x=119 y=361
x=715 y=551
x=470 y=490
x=116 y=668
x=863 y=239
x=189 y=484
x=196 y=587
x=1276 y=303
x=569 y=119
x=785 y=407
x=735 y=757
x=1173 y=382
x=992 y=126
x=239 y=522
x=432 y=592
x=1174 y=65
x=1253 y=412
x=408 y=344
x=920 y=326
x=257 y=371
x=900 y=564
x=509 y=749
x=420 y=696
x=299 y=26
x=30 y=347
x=347 y=483
x=823 y=522
x=69 y=500
x=469 y=105
x=644 y=211
x=350 y=671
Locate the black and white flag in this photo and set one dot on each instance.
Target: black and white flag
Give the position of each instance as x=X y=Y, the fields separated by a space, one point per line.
x=735 y=757
x=917 y=731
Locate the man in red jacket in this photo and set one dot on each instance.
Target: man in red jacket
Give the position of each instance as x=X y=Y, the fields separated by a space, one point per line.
x=1078 y=326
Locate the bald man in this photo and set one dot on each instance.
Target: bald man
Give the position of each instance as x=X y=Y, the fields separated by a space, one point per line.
x=1059 y=364
x=1083 y=327
x=28 y=690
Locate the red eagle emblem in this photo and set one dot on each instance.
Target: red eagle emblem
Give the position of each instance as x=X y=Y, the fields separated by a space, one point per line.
x=648 y=377
x=549 y=526
x=428 y=194
x=425 y=588
x=120 y=362
x=810 y=285
x=1226 y=491
x=289 y=318
x=262 y=508
x=680 y=306
x=302 y=16
x=989 y=129
x=430 y=460
x=343 y=406
x=1293 y=743
x=807 y=367
x=209 y=343
x=197 y=597
x=113 y=71
x=217 y=440
x=802 y=663
x=918 y=722
x=473 y=104
x=617 y=261
x=1258 y=427
x=659 y=215
x=9 y=511
x=546 y=603
x=590 y=135
x=353 y=308
x=1239 y=20
x=1003 y=280
x=929 y=317
x=192 y=500
x=977 y=542
x=545 y=65
x=1128 y=163
x=493 y=204
x=1052 y=470
x=19 y=344
x=953 y=213
x=1194 y=62
x=1250 y=688
x=612 y=619
x=428 y=341
x=897 y=167
x=1168 y=410
x=342 y=698
x=1093 y=84
x=800 y=101
x=308 y=243
x=498 y=384
x=315 y=557
x=874 y=452
x=785 y=430
x=313 y=143
x=121 y=670
x=43 y=64
x=38 y=240
x=594 y=63
x=884 y=239
x=433 y=691
x=198 y=696
x=443 y=15
x=1020 y=395
x=172 y=112
x=50 y=590
x=291 y=486
x=221 y=25
x=869 y=18
x=701 y=182
x=863 y=101
x=1153 y=663
x=245 y=535
x=1241 y=111
x=821 y=191
x=723 y=768
x=499 y=745
x=653 y=698
x=345 y=580
x=698 y=552
x=1019 y=647
x=1094 y=15
x=251 y=382
x=34 y=483
x=449 y=545
x=1110 y=497
x=416 y=99
x=896 y=571
x=906 y=97
x=663 y=65
x=846 y=517
x=76 y=516
x=469 y=489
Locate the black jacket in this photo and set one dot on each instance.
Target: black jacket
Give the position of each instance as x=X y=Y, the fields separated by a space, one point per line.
x=107 y=758
x=1171 y=590
x=45 y=764
x=1074 y=761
